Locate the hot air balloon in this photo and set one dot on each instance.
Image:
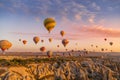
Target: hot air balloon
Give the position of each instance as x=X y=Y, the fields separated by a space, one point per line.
x=106 y=49
x=24 y=42
x=5 y=44
x=49 y=53
x=91 y=45
x=42 y=49
x=42 y=41
x=50 y=39
x=58 y=46
x=66 y=49
x=102 y=49
x=96 y=46
x=36 y=39
x=49 y=24
x=111 y=43
x=105 y=39
x=19 y=39
x=72 y=50
x=62 y=33
x=85 y=49
x=65 y=42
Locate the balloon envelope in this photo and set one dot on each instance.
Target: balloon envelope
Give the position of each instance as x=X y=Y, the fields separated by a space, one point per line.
x=24 y=42
x=72 y=50
x=19 y=39
x=36 y=39
x=58 y=46
x=105 y=39
x=65 y=42
x=62 y=33
x=91 y=45
x=5 y=44
x=42 y=49
x=49 y=24
x=49 y=53
x=96 y=46
x=50 y=39
x=111 y=43
x=42 y=41
x=102 y=49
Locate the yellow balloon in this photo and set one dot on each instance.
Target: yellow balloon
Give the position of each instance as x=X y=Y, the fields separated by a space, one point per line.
x=5 y=44
x=36 y=39
x=49 y=24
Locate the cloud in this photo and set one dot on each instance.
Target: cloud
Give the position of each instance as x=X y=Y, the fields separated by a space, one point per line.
x=99 y=31
x=109 y=32
x=71 y=13
x=38 y=34
x=79 y=33
x=70 y=9
x=78 y=17
x=95 y=6
x=79 y=29
x=91 y=19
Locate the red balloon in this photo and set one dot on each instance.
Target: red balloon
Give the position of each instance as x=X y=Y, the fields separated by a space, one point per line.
x=42 y=49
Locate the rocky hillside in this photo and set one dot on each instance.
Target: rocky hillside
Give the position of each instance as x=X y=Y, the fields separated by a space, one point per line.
x=82 y=69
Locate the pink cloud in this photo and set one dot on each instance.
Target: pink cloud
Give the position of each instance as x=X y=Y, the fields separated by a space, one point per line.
x=101 y=31
x=79 y=33
x=76 y=30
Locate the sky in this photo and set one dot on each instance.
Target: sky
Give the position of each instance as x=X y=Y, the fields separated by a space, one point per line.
x=85 y=22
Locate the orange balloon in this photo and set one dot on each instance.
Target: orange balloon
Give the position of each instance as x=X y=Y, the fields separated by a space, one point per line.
x=96 y=46
x=24 y=42
x=65 y=42
x=111 y=43
x=50 y=39
x=42 y=49
x=62 y=33
x=36 y=39
x=105 y=39
x=5 y=45
x=91 y=45
x=102 y=49
x=58 y=46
